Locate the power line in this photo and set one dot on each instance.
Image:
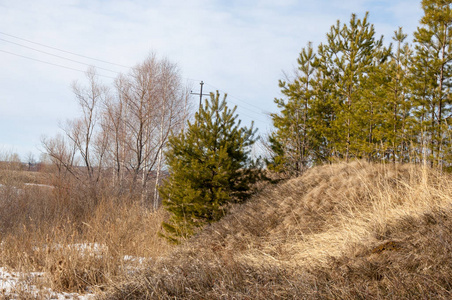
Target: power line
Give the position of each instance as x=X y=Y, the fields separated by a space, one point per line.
x=81 y=71
x=253 y=118
x=239 y=107
x=62 y=57
x=250 y=110
x=103 y=61
x=69 y=52
x=260 y=112
x=65 y=67
x=49 y=63
x=236 y=97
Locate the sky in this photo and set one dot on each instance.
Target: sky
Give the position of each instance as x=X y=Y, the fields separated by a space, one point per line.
x=239 y=47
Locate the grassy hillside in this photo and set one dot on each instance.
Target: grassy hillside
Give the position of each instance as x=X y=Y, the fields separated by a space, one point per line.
x=344 y=231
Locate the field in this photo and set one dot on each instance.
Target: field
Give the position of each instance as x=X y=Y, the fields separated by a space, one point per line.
x=56 y=239
x=341 y=231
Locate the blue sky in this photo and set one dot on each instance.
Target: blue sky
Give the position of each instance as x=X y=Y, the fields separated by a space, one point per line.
x=239 y=47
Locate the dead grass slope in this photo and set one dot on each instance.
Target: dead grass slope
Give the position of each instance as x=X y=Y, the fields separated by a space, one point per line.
x=343 y=231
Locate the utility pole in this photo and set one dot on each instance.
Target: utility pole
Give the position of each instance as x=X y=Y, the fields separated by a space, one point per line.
x=200 y=94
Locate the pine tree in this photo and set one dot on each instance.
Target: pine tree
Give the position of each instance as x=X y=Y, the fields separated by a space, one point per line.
x=291 y=142
x=422 y=88
x=399 y=105
x=362 y=100
x=370 y=114
x=209 y=168
x=434 y=48
x=323 y=117
x=346 y=59
x=388 y=83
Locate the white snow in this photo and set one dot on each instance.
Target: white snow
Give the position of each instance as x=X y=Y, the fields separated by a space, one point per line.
x=15 y=284
x=40 y=185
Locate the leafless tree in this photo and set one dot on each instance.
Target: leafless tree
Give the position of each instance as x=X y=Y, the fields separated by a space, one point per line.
x=153 y=102
x=120 y=136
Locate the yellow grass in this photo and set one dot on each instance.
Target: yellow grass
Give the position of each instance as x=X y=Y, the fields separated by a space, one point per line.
x=80 y=245
x=344 y=231
x=341 y=231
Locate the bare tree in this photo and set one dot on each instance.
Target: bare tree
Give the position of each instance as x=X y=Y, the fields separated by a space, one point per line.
x=121 y=136
x=113 y=126
x=81 y=151
x=173 y=113
x=60 y=154
x=152 y=99
x=82 y=131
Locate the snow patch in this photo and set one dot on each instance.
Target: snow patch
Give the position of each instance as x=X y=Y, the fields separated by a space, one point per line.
x=13 y=285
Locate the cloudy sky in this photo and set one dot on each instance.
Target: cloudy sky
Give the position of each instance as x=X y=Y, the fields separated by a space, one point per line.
x=238 y=47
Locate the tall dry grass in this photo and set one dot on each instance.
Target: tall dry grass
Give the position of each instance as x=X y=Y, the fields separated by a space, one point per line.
x=81 y=244
x=342 y=231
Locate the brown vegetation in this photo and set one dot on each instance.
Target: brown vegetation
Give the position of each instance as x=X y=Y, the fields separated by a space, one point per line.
x=343 y=231
x=80 y=244
x=92 y=216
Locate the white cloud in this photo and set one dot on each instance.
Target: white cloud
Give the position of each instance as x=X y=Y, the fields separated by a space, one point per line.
x=241 y=47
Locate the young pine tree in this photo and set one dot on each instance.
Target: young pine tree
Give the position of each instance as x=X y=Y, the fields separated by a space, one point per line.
x=434 y=45
x=291 y=141
x=393 y=77
x=209 y=168
x=346 y=59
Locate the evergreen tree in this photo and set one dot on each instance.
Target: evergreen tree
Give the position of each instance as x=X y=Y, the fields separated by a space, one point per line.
x=399 y=105
x=209 y=168
x=347 y=59
x=389 y=82
x=422 y=88
x=291 y=142
x=434 y=52
x=323 y=117
x=370 y=115
x=355 y=98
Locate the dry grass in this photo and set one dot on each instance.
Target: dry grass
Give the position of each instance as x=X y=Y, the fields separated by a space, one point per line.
x=84 y=258
x=15 y=176
x=343 y=231
x=80 y=244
